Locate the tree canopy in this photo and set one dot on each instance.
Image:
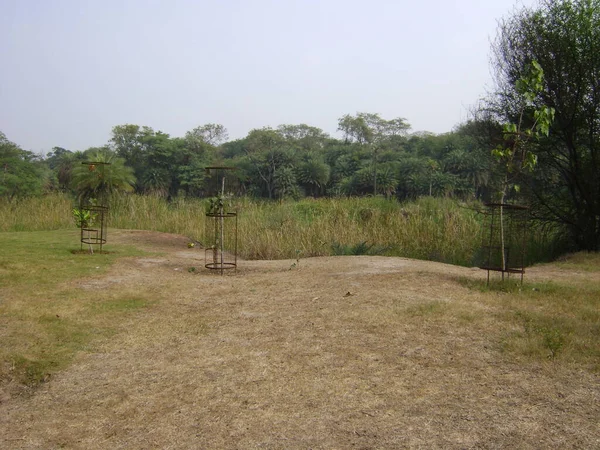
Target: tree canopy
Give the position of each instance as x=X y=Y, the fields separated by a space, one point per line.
x=563 y=36
x=21 y=173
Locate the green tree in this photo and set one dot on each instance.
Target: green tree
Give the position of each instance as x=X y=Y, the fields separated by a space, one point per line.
x=313 y=174
x=563 y=36
x=130 y=142
x=374 y=132
x=21 y=174
x=104 y=173
x=515 y=154
x=61 y=162
x=472 y=166
x=285 y=183
x=304 y=137
x=212 y=134
x=267 y=152
x=125 y=140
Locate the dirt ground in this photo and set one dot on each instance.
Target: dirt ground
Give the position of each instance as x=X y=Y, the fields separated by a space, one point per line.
x=335 y=353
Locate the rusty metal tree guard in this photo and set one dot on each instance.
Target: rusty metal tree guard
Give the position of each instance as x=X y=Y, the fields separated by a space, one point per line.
x=505 y=242
x=94 y=230
x=221 y=226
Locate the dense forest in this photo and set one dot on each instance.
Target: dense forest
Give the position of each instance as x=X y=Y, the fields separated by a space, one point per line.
x=376 y=156
x=533 y=140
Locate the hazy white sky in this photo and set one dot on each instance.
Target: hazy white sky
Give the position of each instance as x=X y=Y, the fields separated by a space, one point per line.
x=72 y=69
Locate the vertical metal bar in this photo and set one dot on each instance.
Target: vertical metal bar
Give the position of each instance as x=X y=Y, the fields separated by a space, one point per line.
x=236 y=242
x=222 y=219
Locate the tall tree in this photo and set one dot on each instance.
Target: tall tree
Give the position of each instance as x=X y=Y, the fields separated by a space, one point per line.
x=373 y=131
x=268 y=152
x=304 y=137
x=563 y=36
x=211 y=133
x=313 y=174
x=62 y=161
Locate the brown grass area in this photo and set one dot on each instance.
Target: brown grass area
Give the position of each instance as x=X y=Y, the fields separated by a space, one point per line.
x=345 y=352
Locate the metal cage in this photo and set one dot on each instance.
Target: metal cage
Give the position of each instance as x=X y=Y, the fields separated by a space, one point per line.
x=504 y=243
x=93 y=232
x=221 y=235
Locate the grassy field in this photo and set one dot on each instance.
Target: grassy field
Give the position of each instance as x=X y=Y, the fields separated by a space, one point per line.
x=328 y=352
x=41 y=275
x=47 y=316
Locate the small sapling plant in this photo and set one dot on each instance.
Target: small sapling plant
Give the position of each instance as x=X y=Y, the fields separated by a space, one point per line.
x=82 y=217
x=515 y=155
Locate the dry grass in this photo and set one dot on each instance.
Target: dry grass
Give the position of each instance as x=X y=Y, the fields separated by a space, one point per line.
x=349 y=352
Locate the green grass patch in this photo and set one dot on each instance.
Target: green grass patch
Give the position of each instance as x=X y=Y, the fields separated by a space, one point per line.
x=32 y=260
x=44 y=319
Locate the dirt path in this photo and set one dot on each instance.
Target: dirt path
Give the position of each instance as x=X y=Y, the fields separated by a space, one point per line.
x=346 y=352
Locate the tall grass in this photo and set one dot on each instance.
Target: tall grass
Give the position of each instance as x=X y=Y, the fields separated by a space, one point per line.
x=51 y=212
x=181 y=216
x=429 y=228
x=436 y=229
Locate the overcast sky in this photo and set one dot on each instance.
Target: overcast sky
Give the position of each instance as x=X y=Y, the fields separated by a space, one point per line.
x=71 y=70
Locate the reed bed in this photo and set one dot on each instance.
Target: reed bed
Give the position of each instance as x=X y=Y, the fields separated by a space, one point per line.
x=437 y=229
x=50 y=212
x=434 y=229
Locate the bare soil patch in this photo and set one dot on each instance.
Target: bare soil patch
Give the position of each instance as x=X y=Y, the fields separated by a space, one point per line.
x=339 y=352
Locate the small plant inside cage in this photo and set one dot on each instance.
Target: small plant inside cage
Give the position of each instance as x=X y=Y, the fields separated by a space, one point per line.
x=221 y=224
x=92 y=215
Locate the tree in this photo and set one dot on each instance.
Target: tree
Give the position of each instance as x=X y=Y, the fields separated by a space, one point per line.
x=20 y=173
x=304 y=137
x=130 y=142
x=373 y=131
x=369 y=128
x=212 y=134
x=313 y=174
x=125 y=140
x=285 y=183
x=103 y=174
x=563 y=36
x=515 y=154
x=62 y=161
x=268 y=152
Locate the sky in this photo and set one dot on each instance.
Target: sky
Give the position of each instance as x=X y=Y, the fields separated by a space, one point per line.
x=70 y=70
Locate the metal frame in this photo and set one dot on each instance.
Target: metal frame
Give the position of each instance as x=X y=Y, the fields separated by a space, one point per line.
x=96 y=233
x=220 y=252
x=515 y=219
x=219 y=257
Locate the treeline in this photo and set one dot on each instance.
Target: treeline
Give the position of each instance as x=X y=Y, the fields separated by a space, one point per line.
x=375 y=156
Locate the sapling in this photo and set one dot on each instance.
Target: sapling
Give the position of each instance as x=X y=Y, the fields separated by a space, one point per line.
x=515 y=154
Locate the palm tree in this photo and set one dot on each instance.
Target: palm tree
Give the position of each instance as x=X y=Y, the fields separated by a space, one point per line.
x=386 y=182
x=313 y=174
x=103 y=174
x=156 y=182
